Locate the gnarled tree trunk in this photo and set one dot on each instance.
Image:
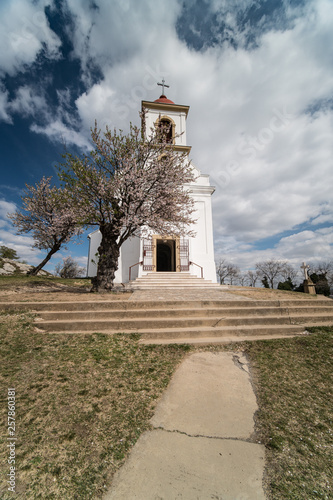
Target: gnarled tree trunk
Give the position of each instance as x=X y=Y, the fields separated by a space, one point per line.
x=108 y=259
x=35 y=270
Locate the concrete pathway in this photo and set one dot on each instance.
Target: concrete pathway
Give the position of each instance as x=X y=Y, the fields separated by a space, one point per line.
x=203 y=444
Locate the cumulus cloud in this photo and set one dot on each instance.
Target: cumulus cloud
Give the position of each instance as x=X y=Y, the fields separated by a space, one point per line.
x=29 y=102
x=4 y=115
x=311 y=246
x=6 y=207
x=23 y=244
x=249 y=126
x=261 y=118
x=105 y=36
x=57 y=131
x=24 y=34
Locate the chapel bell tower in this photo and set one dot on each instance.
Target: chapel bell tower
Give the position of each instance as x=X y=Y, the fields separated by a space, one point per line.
x=157 y=253
x=172 y=116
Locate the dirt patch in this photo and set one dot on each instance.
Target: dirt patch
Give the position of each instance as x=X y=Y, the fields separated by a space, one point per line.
x=61 y=296
x=269 y=294
x=36 y=289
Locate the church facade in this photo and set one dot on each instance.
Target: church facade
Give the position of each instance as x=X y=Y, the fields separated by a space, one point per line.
x=160 y=253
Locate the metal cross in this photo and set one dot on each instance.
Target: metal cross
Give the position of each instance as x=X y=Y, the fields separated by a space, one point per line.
x=163 y=84
x=305 y=268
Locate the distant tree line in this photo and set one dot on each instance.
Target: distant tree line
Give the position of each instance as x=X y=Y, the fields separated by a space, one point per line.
x=278 y=274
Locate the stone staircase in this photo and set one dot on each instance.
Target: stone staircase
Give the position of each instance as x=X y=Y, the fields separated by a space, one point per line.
x=168 y=280
x=196 y=321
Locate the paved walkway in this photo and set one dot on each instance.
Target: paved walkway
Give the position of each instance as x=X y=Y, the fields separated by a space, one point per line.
x=202 y=445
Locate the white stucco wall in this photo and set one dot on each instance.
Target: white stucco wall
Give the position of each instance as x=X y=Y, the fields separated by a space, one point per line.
x=202 y=245
x=129 y=255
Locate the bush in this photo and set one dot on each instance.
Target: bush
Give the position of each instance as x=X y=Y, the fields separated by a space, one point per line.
x=68 y=268
x=286 y=285
x=8 y=253
x=264 y=281
x=321 y=283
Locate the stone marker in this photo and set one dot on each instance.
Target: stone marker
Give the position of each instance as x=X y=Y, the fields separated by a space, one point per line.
x=309 y=286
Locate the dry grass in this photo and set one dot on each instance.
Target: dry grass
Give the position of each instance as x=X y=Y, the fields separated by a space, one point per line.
x=294 y=384
x=269 y=294
x=22 y=288
x=82 y=402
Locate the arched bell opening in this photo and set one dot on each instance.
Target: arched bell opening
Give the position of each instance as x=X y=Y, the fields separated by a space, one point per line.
x=166 y=127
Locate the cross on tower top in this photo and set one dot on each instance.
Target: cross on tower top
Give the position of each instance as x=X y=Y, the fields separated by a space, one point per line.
x=163 y=84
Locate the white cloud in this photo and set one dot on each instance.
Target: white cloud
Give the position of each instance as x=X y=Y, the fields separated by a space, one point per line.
x=248 y=127
x=6 y=207
x=59 y=132
x=309 y=246
x=24 y=33
x=4 y=106
x=8 y=237
x=248 y=124
x=28 y=101
x=105 y=35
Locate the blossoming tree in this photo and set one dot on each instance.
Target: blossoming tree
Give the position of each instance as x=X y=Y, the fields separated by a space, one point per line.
x=48 y=215
x=126 y=186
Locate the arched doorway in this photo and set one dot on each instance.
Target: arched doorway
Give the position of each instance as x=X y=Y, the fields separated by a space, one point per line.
x=165 y=256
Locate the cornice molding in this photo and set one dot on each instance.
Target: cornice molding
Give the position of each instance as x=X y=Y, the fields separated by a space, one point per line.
x=165 y=107
x=204 y=190
x=177 y=147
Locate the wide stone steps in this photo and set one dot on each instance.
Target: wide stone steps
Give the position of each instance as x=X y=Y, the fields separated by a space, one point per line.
x=257 y=314
x=177 y=321
x=169 y=280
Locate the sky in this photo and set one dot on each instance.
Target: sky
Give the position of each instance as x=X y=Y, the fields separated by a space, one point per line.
x=257 y=75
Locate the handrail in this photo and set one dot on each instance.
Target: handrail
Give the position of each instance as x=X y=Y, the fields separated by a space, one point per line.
x=130 y=269
x=197 y=266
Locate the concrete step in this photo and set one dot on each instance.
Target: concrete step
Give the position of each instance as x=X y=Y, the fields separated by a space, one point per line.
x=294 y=306
x=163 y=313
x=166 y=321
x=171 y=280
x=124 y=325
x=142 y=324
x=169 y=275
x=167 y=335
x=220 y=332
x=227 y=339
x=132 y=305
x=143 y=285
x=173 y=287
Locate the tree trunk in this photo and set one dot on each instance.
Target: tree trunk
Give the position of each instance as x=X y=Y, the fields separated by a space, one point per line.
x=35 y=270
x=108 y=260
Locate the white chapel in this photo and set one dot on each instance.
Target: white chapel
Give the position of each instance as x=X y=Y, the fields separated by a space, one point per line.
x=140 y=256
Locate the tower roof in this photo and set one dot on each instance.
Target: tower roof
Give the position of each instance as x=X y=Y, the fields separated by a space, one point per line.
x=164 y=100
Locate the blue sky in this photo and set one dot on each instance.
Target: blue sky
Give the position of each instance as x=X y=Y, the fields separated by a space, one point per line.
x=257 y=75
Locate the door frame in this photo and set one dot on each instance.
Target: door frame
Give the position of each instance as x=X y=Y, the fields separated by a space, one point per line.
x=155 y=239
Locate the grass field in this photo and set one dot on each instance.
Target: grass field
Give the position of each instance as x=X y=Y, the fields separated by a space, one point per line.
x=83 y=400
x=22 y=282
x=81 y=403
x=294 y=386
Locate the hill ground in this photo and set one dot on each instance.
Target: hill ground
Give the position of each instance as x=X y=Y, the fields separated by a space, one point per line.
x=83 y=400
